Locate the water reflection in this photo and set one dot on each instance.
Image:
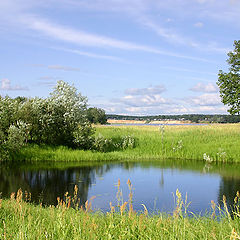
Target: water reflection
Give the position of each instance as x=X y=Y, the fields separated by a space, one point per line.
x=228 y=187
x=154 y=183
x=46 y=185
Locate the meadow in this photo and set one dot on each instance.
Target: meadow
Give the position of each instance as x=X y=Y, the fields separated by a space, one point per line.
x=211 y=143
x=214 y=143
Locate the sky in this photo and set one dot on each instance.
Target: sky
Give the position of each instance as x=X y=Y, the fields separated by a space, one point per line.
x=131 y=57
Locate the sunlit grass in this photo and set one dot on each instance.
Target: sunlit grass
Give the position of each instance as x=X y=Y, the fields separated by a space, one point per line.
x=219 y=142
x=67 y=220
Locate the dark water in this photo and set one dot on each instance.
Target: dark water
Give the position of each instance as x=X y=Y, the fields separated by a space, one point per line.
x=153 y=183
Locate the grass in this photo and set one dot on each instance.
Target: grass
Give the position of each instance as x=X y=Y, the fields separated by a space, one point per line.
x=22 y=220
x=216 y=142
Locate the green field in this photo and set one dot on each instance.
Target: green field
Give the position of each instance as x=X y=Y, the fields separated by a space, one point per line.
x=22 y=220
x=216 y=142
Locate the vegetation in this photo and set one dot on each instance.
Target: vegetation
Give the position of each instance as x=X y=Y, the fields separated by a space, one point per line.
x=229 y=83
x=195 y=118
x=209 y=143
x=96 y=115
x=22 y=220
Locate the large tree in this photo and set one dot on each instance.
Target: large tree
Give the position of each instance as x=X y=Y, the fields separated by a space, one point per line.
x=229 y=83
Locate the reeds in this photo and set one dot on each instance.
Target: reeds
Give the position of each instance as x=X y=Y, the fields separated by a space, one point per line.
x=22 y=220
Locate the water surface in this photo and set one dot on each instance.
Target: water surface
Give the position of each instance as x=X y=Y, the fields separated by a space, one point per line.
x=154 y=184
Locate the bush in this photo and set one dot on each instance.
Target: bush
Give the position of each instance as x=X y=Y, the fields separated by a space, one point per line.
x=113 y=144
x=60 y=119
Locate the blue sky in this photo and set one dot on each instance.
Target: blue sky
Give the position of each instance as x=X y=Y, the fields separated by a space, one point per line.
x=134 y=57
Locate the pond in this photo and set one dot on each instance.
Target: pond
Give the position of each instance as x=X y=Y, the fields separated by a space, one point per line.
x=154 y=183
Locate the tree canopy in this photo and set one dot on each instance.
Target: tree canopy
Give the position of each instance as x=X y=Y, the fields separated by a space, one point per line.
x=96 y=115
x=229 y=83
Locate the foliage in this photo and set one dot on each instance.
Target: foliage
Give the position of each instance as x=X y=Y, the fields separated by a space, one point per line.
x=60 y=119
x=229 y=83
x=22 y=220
x=103 y=144
x=96 y=115
x=83 y=136
x=219 y=141
x=13 y=133
x=17 y=135
x=55 y=120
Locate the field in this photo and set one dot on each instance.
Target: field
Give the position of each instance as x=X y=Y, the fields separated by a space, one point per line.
x=20 y=219
x=216 y=142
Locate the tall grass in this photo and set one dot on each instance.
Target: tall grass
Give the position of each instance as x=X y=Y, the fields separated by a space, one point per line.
x=22 y=220
x=209 y=143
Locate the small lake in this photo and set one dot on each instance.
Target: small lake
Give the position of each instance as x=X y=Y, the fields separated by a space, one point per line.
x=153 y=183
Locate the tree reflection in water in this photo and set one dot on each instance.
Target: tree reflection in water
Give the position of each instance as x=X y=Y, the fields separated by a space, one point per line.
x=46 y=185
x=228 y=187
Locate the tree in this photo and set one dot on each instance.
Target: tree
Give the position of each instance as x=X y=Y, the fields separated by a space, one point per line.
x=96 y=115
x=61 y=117
x=229 y=83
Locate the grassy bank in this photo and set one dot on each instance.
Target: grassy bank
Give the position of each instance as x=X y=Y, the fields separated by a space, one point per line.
x=215 y=142
x=22 y=220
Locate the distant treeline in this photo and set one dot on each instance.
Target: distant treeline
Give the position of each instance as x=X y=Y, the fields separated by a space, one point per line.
x=195 y=118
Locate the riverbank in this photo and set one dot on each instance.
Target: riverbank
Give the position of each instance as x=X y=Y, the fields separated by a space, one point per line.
x=217 y=142
x=22 y=220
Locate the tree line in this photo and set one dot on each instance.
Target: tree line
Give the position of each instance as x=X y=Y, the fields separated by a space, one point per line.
x=195 y=118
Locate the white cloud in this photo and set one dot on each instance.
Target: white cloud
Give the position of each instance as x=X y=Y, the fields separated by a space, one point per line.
x=144 y=100
x=7 y=86
x=207 y=99
x=146 y=91
x=120 y=108
x=144 y=97
x=206 y=88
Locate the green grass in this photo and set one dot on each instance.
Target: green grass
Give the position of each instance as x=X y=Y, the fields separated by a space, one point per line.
x=22 y=220
x=218 y=141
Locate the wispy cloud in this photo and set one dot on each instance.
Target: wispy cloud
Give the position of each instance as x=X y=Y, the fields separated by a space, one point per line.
x=165 y=33
x=64 y=68
x=47 y=78
x=7 y=86
x=139 y=11
x=83 y=38
x=47 y=83
x=89 y=54
x=173 y=37
x=56 y=67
